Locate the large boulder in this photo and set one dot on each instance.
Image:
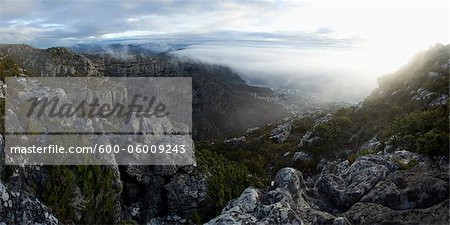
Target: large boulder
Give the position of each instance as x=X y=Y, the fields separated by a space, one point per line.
x=410 y=189
x=372 y=213
x=162 y=194
x=283 y=203
x=345 y=187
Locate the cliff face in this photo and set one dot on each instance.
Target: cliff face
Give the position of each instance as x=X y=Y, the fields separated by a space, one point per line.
x=52 y=62
x=223 y=104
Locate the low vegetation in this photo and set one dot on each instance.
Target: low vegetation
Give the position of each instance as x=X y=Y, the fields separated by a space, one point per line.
x=227 y=180
x=423 y=131
x=96 y=194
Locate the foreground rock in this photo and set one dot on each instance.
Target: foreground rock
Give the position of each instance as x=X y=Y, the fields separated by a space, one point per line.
x=375 y=189
x=371 y=213
x=283 y=203
x=162 y=194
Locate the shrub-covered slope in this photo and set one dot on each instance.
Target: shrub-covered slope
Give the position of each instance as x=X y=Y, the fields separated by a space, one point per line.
x=403 y=126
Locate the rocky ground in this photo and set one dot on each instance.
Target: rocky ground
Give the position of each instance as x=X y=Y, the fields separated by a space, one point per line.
x=374 y=189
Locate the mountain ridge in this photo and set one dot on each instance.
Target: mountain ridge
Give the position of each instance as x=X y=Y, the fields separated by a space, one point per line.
x=382 y=161
x=217 y=90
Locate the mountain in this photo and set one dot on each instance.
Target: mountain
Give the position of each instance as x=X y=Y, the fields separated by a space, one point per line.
x=384 y=161
x=223 y=104
x=120 y=50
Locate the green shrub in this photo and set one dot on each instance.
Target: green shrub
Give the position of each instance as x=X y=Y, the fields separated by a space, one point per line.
x=8 y=69
x=95 y=182
x=421 y=131
x=59 y=192
x=227 y=181
x=96 y=186
x=365 y=152
x=196 y=218
x=352 y=158
x=302 y=125
x=308 y=166
x=433 y=142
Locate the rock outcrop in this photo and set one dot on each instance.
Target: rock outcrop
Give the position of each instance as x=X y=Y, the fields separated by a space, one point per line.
x=52 y=62
x=223 y=104
x=162 y=193
x=283 y=203
x=19 y=207
x=280 y=133
x=372 y=190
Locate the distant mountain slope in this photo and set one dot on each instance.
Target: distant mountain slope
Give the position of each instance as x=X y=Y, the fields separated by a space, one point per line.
x=419 y=82
x=223 y=104
x=51 y=62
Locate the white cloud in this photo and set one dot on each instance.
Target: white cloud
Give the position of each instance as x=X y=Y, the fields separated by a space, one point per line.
x=358 y=40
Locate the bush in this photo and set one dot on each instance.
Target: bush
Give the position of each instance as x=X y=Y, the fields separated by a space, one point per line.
x=352 y=158
x=332 y=136
x=8 y=69
x=58 y=193
x=95 y=183
x=96 y=186
x=227 y=181
x=433 y=142
x=421 y=131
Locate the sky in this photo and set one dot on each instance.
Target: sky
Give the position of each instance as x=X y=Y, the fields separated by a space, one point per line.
x=348 y=43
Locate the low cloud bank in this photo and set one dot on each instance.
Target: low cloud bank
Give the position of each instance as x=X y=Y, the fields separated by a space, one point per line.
x=337 y=74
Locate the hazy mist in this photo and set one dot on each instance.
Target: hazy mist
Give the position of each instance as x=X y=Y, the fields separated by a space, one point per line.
x=331 y=73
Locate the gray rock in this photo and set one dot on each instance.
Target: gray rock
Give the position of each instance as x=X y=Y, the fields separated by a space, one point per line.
x=410 y=189
x=434 y=75
x=283 y=203
x=186 y=192
x=372 y=213
x=422 y=94
x=341 y=221
x=371 y=145
x=301 y=156
x=347 y=186
x=371 y=190
x=236 y=141
x=280 y=133
x=22 y=208
x=440 y=100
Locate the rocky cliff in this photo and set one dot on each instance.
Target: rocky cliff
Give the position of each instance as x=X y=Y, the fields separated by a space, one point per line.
x=223 y=104
x=52 y=62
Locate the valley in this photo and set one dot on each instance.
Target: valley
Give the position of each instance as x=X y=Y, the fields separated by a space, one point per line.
x=261 y=156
